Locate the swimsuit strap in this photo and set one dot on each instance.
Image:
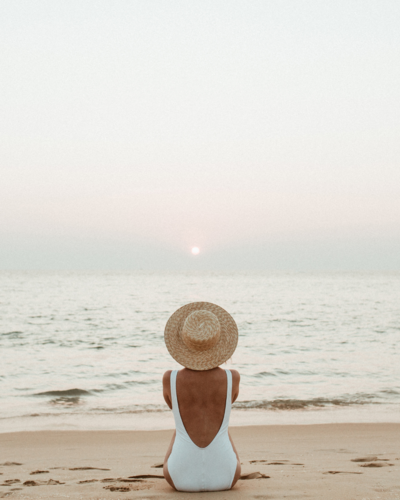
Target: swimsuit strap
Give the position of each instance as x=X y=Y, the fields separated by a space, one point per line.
x=175 y=407
x=228 y=404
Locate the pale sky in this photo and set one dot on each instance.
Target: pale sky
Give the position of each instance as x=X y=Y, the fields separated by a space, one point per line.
x=266 y=133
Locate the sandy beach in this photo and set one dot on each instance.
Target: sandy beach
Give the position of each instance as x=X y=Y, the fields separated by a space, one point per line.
x=332 y=461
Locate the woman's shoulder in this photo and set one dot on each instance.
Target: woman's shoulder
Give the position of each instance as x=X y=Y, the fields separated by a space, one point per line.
x=235 y=376
x=167 y=377
x=235 y=384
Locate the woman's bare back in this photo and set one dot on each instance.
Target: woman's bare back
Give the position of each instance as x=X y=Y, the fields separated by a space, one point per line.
x=202 y=398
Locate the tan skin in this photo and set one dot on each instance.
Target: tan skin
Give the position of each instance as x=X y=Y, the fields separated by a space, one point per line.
x=201 y=398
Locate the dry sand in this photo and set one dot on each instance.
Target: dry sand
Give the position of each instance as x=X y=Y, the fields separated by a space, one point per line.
x=311 y=461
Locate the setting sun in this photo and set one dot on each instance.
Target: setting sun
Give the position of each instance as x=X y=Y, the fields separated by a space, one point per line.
x=195 y=250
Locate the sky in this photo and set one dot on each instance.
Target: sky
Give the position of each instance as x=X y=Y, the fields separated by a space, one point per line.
x=265 y=133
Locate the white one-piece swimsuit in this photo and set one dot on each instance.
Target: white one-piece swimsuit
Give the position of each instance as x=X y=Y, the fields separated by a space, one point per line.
x=202 y=469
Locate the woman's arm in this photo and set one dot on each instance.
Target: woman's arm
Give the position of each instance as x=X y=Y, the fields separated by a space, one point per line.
x=235 y=385
x=167 y=388
x=168 y=399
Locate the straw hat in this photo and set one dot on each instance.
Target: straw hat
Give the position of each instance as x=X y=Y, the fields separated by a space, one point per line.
x=201 y=335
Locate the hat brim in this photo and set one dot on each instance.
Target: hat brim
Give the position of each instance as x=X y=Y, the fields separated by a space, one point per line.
x=205 y=360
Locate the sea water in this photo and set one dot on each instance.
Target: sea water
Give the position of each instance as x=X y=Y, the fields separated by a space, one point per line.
x=86 y=350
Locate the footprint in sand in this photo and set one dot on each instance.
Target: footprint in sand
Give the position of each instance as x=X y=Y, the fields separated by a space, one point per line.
x=135 y=483
x=121 y=480
x=157 y=466
x=134 y=487
x=372 y=461
x=87 y=468
x=340 y=472
x=38 y=472
x=266 y=462
x=131 y=479
x=370 y=458
x=117 y=488
x=50 y=482
x=30 y=483
x=254 y=475
x=88 y=481
x=376 y=464
x=9 y=464
x=146 y=476
x=9 y=482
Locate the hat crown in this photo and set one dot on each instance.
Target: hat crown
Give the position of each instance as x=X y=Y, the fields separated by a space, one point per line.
x=201 y=330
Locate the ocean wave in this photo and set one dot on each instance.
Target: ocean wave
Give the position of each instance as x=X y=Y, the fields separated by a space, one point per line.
x=264 y=374
x=130 y=410
x=299 y=404
x=68 y=392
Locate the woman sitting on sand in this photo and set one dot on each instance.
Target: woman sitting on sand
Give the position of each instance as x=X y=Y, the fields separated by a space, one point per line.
x=201 y=457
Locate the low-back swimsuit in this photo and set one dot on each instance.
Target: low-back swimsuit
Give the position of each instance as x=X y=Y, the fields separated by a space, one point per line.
x=202 y=469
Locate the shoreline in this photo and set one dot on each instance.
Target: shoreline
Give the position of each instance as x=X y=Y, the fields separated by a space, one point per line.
x=163 y=420
x=302 y=461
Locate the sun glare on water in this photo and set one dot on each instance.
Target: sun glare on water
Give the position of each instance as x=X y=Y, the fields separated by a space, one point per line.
x=195 y=250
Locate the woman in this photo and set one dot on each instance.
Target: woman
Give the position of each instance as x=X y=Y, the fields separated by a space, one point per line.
x=201 y=457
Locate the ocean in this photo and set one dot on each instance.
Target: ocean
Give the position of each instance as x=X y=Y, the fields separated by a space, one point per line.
x=86 y=350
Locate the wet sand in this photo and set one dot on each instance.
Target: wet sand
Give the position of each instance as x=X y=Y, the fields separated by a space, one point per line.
x=330 y=461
